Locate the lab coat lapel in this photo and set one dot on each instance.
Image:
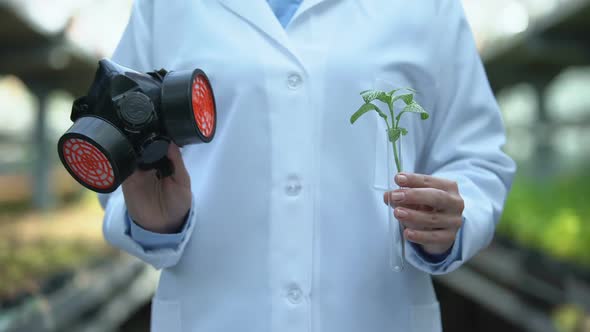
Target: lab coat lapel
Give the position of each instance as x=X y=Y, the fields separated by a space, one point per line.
x=259 y=14
x=305 y=6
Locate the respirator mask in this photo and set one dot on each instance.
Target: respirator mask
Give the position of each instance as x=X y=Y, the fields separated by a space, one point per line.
x=128 y=119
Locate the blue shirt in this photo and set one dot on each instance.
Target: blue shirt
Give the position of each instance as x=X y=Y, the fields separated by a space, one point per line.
x=284 y=11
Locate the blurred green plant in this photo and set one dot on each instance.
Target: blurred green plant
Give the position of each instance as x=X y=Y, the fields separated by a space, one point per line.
x=551 y=215
x=571 y=318
x=37 y=246
x=27 y=265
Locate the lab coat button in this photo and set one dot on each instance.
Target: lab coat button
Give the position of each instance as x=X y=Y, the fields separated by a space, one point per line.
x=293 y=187
x=294 y=81
x=295 y=295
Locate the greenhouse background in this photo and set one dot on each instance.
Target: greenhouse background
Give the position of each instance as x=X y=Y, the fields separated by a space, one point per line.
x=56 y=271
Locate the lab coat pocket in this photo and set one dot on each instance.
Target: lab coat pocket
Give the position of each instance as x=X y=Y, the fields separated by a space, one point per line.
x=165 y=316
x=425 y=318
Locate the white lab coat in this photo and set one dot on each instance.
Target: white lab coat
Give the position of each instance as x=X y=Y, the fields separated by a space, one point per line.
x=288 y=230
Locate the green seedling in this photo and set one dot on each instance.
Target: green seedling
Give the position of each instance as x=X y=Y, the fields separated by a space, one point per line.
x=394 y=131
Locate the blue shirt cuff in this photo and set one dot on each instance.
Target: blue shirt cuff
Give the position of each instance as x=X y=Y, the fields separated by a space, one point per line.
x=442 y=261
x=153 y=241
x=431 y=258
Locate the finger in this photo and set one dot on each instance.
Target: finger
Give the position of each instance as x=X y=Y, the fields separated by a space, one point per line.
x=140 y=176
x=174 y=153
x=414 y=180
x=175 y=156
x=430 y=237
x=421 y=207
x=388 y=201
x=421 y=220
x=438 y=199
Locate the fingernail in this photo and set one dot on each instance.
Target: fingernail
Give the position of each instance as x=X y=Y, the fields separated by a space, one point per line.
x=398 y=196
x=401 y=179
x=401 y=213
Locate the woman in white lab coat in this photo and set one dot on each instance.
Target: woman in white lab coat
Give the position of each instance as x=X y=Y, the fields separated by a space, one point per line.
x=280 y=224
